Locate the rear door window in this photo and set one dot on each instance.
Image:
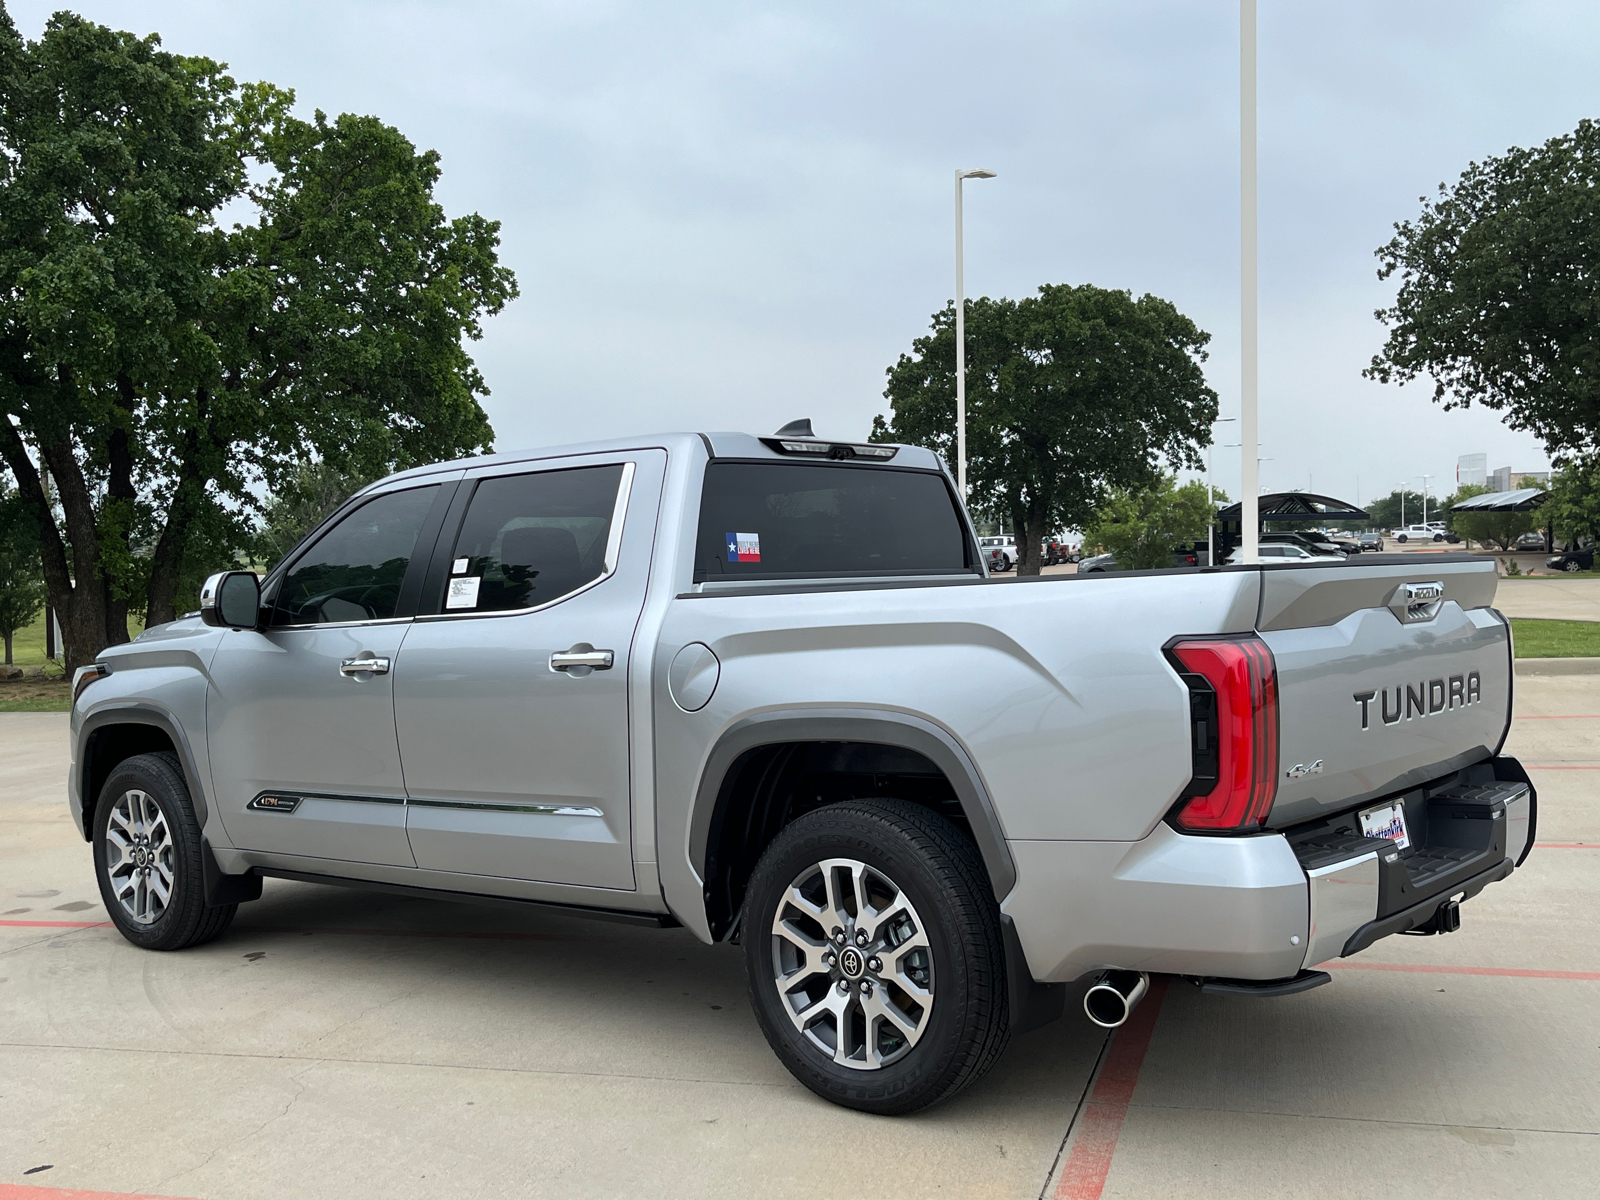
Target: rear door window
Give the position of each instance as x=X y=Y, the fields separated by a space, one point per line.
x=530 y=539
x=778 y=520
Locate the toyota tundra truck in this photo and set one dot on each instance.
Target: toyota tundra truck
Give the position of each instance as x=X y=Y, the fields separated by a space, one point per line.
x=762 y=688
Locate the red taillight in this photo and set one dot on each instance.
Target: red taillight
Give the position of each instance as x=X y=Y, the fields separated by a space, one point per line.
x=1244 y=679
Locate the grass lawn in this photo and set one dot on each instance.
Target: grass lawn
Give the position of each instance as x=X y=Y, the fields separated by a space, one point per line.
x=51 y=694
x=1556 y=639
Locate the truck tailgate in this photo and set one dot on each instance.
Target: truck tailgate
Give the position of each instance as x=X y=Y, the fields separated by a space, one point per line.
x=1389 y=676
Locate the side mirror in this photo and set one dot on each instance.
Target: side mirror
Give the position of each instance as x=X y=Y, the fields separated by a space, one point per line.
x=231 y=600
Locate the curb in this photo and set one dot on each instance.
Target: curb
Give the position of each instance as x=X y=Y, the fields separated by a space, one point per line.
x=1558 y=666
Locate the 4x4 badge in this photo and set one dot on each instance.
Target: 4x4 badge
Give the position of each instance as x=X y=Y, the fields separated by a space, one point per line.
x=1302 y=769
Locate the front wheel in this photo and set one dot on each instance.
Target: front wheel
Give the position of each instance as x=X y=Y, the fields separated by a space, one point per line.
x=1572 y=565
x=147 y=857
x=872 y=942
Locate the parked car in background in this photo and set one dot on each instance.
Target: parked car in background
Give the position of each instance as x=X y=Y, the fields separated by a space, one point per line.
x=1282 y=552
x=1572 y=559
x=1314 y=544
x=1532 y=540
x=1348 y=544
x=999 y=552
x=1419 y=533
x=1370 y=540
x=1182 y=556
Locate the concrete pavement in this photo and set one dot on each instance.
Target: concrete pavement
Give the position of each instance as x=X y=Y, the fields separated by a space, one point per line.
x=349 y=1044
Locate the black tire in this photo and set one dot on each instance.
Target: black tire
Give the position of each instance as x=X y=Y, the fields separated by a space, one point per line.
x=1401 y=538
x=185 y=919
x=940 y=872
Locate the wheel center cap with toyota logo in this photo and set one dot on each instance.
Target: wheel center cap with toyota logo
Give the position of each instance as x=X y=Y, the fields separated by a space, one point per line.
x=851 y=962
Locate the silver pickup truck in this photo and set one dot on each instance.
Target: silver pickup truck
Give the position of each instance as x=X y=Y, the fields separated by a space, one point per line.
x=763 y=688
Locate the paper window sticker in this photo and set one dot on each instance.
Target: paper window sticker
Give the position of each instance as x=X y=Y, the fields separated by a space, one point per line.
x=459 y=567
x=463 y=593
x=744 y=547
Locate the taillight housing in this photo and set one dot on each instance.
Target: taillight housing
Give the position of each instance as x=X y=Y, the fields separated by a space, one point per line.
x=1233 y=702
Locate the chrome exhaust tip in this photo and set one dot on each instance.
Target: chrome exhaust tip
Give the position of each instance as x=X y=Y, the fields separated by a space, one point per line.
x=1113 y=997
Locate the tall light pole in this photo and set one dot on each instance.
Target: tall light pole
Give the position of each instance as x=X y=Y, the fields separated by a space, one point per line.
x=1211 y=502
x=1424 y=479
x=1249 y=467
x=961 y=336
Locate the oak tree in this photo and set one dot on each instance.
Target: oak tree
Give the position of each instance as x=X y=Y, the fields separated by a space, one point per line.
x=1072 y=394
x=166 y=367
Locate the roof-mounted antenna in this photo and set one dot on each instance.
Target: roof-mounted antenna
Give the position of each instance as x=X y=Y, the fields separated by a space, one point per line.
x=800 y=428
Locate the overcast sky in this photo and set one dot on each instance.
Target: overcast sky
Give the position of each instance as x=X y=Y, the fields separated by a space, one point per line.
x=725 y=216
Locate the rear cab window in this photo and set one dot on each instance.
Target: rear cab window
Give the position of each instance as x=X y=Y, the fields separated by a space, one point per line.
x=785 y=520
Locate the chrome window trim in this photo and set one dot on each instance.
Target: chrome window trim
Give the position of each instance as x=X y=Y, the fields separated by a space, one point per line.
x=619 y=512
x=338 y=625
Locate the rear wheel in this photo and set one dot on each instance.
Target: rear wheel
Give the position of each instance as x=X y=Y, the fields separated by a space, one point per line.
x=872 y=942
x=1572 y=564
x=147 y=857
x=1401 y=538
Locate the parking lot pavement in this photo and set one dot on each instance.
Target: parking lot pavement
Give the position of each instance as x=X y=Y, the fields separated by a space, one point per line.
x=349 y=1044
x=1554 y=598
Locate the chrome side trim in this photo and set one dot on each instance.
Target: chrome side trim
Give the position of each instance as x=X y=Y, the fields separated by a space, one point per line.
x=543 y=810
x=1519 y=809
x=613 y=542
x=299 y=797
x=1344 y=897
x=619 y=513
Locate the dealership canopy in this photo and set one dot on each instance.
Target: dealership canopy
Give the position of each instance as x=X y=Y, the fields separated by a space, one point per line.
x=1521 y=500
x=1296 y=506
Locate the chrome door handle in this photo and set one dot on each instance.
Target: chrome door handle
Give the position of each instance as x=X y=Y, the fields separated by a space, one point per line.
x=596 y=660
x=364 y=666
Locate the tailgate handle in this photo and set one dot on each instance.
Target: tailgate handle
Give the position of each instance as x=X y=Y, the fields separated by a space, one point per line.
x=1413 y=603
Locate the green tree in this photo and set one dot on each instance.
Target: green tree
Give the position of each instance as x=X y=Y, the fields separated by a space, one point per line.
x=1071 y=395
x=1497 y=529
x=1142 y=526
x=1401 y=507
x=165 y=370
x=1499 y=298
x=21 y=581
x=1573 y=506
x=308 y=497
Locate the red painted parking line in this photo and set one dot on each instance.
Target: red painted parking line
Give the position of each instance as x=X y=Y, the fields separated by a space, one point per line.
x=490 y=935
x=1100 y=1123
x=1433 y=969
x=18 y=1191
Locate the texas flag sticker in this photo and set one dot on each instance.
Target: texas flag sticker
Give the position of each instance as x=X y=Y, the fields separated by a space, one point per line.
x=744 y=547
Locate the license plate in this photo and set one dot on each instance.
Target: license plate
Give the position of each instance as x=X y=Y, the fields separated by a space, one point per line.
x=1386 y=821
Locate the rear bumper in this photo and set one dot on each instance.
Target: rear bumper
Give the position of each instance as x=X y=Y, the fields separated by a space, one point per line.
x=1263 y=907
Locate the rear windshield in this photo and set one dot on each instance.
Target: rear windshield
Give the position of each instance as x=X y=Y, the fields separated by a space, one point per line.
x=778 y=520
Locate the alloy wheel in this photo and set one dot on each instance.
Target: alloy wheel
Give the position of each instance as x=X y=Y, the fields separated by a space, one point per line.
x=852 y=964
x=144 y=871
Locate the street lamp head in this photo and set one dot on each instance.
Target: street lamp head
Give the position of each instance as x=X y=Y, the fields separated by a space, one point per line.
x=976 y=173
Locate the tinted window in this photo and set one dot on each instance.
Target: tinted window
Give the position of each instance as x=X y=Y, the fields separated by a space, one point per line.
x=531 y=539
x=353 y=572
x=789 y=520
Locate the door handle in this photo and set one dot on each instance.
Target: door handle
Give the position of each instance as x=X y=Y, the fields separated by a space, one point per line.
x=364 y=666
x=587 y=660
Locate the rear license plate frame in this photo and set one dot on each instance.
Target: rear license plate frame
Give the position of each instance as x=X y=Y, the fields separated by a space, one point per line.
x=1386 y=821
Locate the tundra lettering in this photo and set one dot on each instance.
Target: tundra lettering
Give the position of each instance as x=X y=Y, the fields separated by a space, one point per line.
x=1426 y=698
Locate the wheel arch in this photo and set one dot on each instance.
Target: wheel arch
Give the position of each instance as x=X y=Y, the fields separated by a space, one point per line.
x=110 y=736
x=732 y=820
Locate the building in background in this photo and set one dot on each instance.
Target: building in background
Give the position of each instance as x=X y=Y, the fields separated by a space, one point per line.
x=1505 y=479
x=1472 y=469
